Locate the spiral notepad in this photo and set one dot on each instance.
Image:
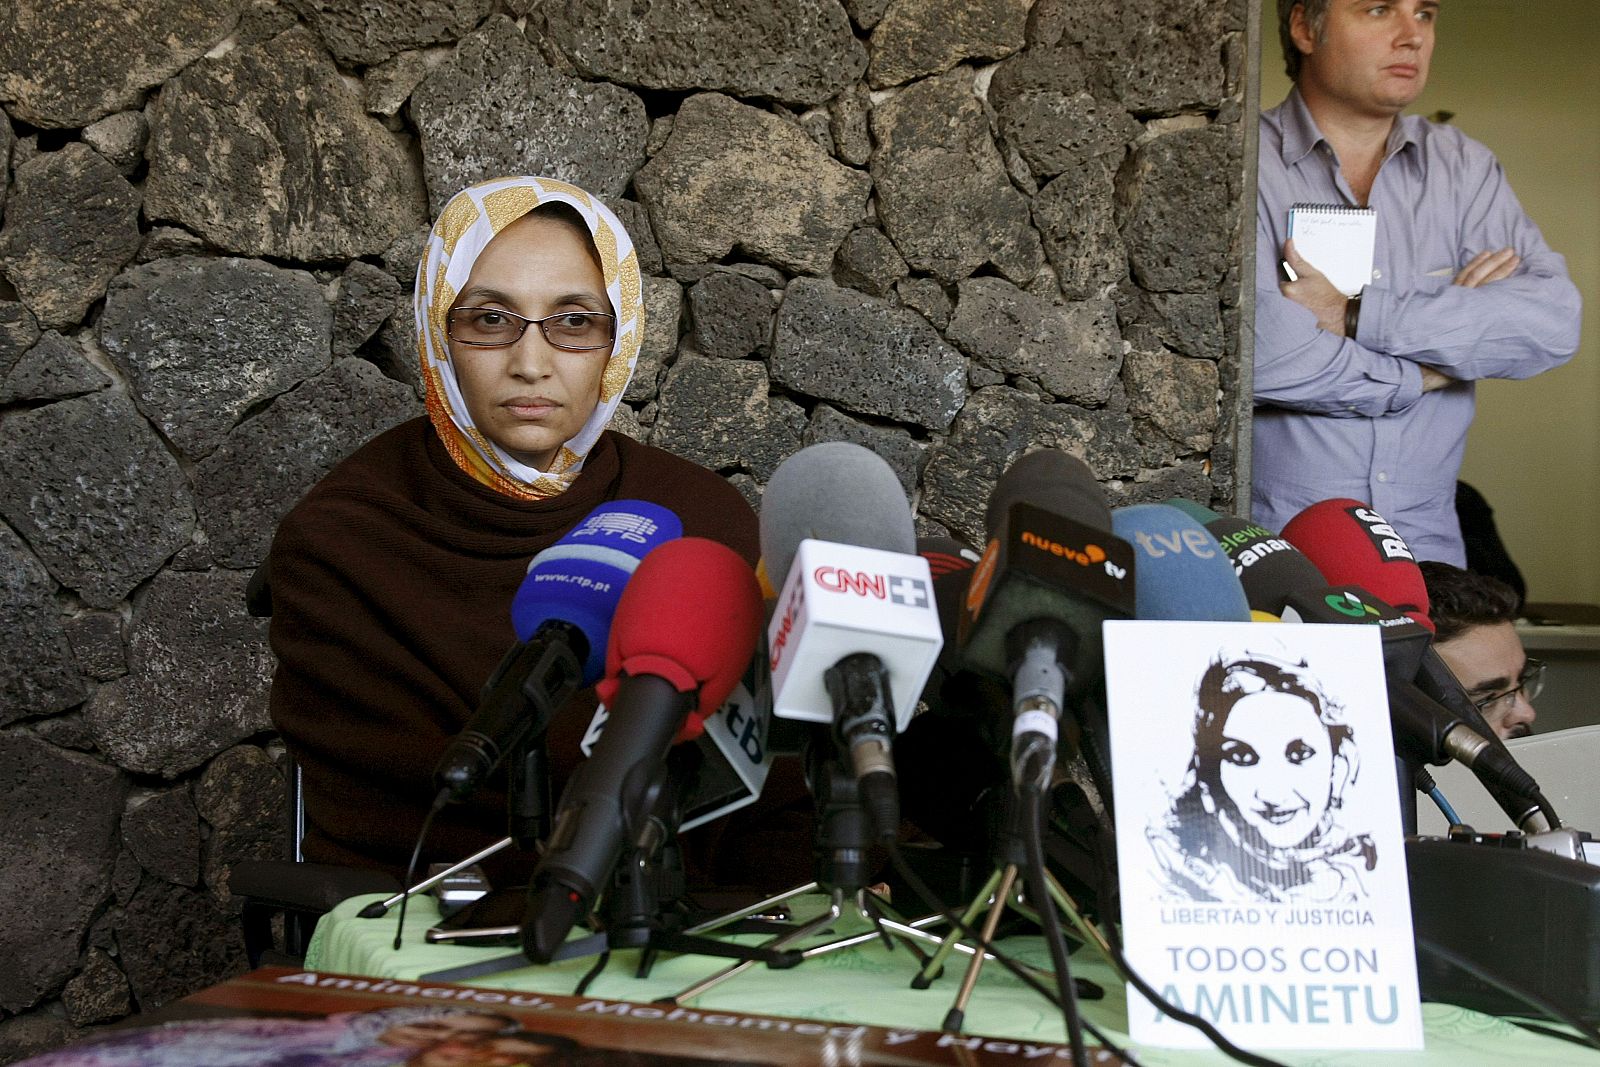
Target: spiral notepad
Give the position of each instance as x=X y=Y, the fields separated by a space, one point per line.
x=1337 y=240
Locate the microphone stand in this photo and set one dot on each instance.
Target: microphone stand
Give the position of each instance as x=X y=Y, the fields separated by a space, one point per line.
x=844 y=840
x=1004 y=888
x=632 y=914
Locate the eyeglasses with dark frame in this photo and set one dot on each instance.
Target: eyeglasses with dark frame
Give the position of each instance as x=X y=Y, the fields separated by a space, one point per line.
x=573 y=331
x=1529 y=684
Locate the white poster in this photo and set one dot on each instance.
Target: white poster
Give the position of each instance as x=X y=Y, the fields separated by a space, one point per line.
x=1259 y=843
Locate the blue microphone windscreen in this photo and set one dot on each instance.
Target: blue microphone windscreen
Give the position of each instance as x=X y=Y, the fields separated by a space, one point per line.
x=1182 y=572
x=579 y=579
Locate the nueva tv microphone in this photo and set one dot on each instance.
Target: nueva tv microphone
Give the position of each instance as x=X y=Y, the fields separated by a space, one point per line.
x=856 y=632
x=1183 y=574
x=562 y=615
x=1373 y=569
x=1051 y=573
x=684 y=630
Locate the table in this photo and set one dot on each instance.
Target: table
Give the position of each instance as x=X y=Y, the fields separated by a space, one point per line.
x=870 y=984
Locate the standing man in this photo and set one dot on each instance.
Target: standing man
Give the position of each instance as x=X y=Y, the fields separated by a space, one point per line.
x=1475 y=634
x=1370 y=397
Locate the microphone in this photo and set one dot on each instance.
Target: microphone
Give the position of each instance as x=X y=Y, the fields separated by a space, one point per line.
x=856 y=631
x=1182 y=573
x=1051 y=573
x=561 y=615
x=1268 y=567
x=666 y=670
x=1355 y=548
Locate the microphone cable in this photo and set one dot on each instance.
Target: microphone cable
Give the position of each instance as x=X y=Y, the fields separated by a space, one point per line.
x=1050 y=922
x=932 y=900
x=1425 y=783
x=439 y=803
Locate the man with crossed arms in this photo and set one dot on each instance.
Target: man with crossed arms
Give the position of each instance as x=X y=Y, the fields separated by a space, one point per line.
x=1370 y=397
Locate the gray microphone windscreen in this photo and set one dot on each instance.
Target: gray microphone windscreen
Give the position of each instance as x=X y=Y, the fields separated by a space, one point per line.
x=835 y=491
x=1055 y=481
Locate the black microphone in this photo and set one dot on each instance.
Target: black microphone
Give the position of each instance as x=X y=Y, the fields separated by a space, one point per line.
x=1051 y=574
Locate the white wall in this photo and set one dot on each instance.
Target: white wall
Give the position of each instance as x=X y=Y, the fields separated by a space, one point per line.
x=1523 y=77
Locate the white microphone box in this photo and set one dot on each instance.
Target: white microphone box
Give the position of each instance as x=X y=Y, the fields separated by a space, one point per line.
x=843 y=599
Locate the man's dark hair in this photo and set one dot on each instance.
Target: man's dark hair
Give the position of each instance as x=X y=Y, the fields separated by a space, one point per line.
x=1459 y=600
x=1316 y=18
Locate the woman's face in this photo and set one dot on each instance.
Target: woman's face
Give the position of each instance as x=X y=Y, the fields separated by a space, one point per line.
x=425 y=1031
x=1275 y=762
x=531 y=397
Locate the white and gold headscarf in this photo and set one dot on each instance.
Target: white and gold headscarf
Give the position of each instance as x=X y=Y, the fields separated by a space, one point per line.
x=464 y=228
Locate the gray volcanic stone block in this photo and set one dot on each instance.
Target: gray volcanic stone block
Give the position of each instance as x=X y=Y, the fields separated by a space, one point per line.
x=796 y=51
x=866 y=355
x=935 y=135
x=19 y=331
x=7 y=138
x=99 y=992
x=162 y=830
x=1076 y=214
x=367 y=296
x=926 y=297
x=362 y=33
x=53 y=369
x=237 y=157
x=96 y=640
x=732 y=314
x=1189 y=323
x=999 y=424
x=663 y=312
x=1186 y=480
x=1171 y=194
x=38 y=1032
x=204 y=340
x=866 y=13
x=192 y=647
x=496 y=107
x=59 y=840
x=242 y=797
x=386 y=87
x=869 y=261
x=65 y=63
x=848 y=126
x=169 y=242
x=120 y=138
x=71 y=223
x=1177 y=394
x=173 y=941
x=916 y=38
x=105 y=503
x=268 y=462
x=38 y=675
x=1072 y=350
x=734 y=177
x=1055 y=131
x=637 y=222
x=904 y=453
x=1156 y=56
x=717 y=413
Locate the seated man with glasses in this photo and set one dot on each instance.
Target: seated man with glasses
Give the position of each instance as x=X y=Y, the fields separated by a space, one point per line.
x=1473 y=616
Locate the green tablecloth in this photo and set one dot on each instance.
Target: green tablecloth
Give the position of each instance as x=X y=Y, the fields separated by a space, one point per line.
x=871 y=984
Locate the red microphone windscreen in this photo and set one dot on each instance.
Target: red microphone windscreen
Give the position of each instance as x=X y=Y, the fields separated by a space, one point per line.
x=1351 y=544
x=690 y=614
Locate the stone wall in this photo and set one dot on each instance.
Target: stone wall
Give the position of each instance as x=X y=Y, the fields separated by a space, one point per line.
x=946 y=229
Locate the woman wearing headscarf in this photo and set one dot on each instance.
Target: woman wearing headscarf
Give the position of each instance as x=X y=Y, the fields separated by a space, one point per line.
x=392 y=580
x=1259 y=816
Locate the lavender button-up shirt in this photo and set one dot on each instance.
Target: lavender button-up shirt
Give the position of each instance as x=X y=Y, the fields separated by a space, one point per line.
x=1346 y=417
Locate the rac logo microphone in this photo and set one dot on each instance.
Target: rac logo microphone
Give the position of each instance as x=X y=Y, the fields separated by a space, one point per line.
x=1385 y=538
